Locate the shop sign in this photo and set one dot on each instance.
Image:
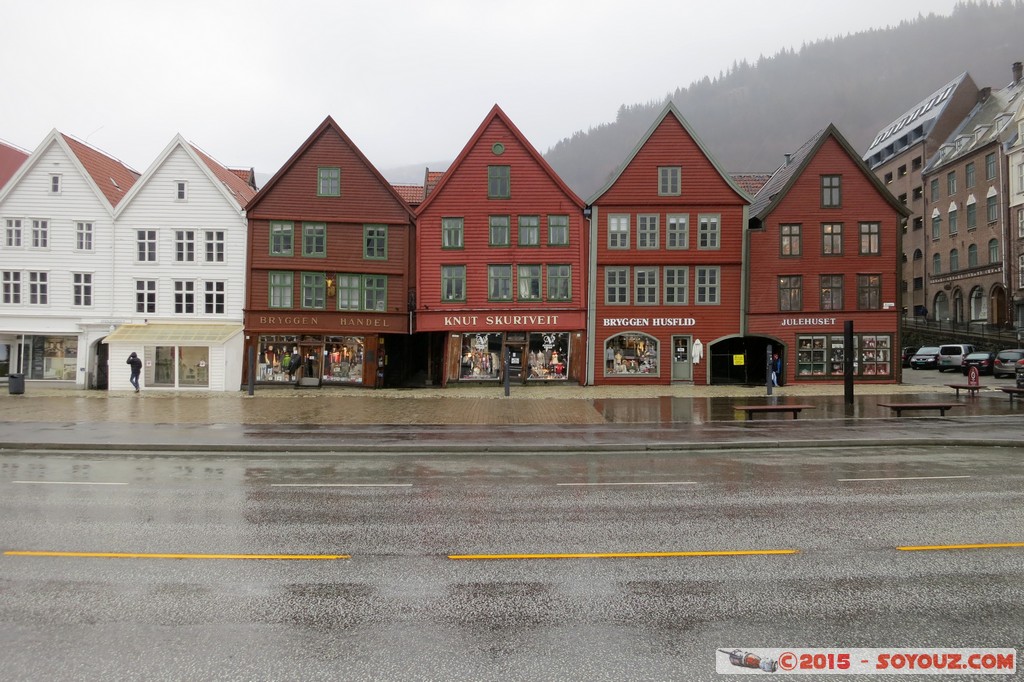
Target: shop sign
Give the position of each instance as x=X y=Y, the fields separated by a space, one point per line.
x=807 y=321
x=649 y=322
x=305 y=320
x=500 y=320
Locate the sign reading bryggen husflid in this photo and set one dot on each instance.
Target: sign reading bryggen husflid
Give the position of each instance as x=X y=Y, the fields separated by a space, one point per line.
x=329 y=248
x=501 y=284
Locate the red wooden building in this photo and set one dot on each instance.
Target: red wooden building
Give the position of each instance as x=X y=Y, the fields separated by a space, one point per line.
x=825 y=248
x=501 y=252
x=330 y=252
x=667 y=254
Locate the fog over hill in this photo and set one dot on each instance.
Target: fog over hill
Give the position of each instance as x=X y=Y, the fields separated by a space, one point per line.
x=752 y=115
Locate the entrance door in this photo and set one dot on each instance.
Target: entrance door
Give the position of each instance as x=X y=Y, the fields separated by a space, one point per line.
x=682 y=368
x=312 y=359
x=516 y=353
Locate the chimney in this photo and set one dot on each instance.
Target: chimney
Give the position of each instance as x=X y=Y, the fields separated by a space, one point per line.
x=1018 y=71
x=984 y=93
x=789 y=157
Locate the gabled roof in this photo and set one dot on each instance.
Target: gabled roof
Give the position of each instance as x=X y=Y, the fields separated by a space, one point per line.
x=248 y=176
x=112 y=177
x=750 y=183
x=328 y=124
x=670 y=110
x=240 y=189
x=497 y=113
x=987 y=124
x=413 y=194
x=11 y=159
x=109 y=178
x=233 y=188
x=775 y=190
x=924 y=115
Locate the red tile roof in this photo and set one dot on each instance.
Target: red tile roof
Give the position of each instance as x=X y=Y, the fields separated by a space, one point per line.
x=112 y=177
x=750 y=182
x=413 y=194
x=248 y=175
x=239 y=188
x=11 y=159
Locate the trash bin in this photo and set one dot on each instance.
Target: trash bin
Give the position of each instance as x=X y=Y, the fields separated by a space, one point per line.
x=16 y=384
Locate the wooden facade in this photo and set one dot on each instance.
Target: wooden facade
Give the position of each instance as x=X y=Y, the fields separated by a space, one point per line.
x=667 y=253
x=825 y=249
x=501 y=278
x=329 y=258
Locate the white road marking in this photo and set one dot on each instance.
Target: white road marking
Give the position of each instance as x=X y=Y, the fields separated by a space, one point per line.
x=636 y=483
x=70 y=482
x=904 y=478
x=341 y=485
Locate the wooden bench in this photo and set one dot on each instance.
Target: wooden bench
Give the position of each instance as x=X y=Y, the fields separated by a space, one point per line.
x=900 y=407
x=971 y=390
x=1010 y=391
x=752 y=409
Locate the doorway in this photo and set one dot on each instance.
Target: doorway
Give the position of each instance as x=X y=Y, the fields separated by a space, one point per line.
x=682 y=368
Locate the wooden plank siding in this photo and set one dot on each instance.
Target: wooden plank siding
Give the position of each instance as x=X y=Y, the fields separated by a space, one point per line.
x=704 y=190
x=366 y=198
x=863 y=200
x=535 y=190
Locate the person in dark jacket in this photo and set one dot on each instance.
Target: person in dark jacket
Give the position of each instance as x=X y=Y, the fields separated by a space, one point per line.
x=136 y=364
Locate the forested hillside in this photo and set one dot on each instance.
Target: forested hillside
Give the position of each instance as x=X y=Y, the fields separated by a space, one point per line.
x=752 y=115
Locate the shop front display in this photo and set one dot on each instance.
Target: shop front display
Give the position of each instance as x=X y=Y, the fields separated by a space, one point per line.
x=631 y=354
x=53 y=358
x=287 y=358
x=824 y=356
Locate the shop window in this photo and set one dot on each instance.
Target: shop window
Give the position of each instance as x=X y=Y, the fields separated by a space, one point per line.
x=823 y=356
x=49 y=357
x=481 y=357
x=343 y=360
x=631 y=354
x=548 y=356
x=274 y=357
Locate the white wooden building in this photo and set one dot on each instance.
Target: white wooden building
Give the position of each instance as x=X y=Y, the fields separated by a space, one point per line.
x=179 y=259
x=56 y=261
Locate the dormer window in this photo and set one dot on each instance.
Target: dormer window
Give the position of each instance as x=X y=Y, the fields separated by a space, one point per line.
x=181 y=190
x=55 y=183
x=669 y=181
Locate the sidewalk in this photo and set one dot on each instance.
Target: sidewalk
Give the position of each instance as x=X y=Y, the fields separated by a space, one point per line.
x=476 y=419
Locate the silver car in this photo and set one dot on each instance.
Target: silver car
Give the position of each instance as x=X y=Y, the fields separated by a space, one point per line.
x=951 y=356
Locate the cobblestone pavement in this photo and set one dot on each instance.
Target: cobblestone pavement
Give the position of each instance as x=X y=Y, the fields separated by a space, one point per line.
x=460 y=405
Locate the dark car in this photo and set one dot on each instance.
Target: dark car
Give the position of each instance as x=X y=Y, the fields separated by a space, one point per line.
x=908 y=352
x=926 y=357
x=983 y=360
x=1006 y=362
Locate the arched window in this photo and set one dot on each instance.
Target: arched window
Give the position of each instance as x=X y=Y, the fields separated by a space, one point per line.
x=940 y=306
x=631 y=353
x=954 y=260
x=979 y=311
x=993 y=250
x=936 y=263
x=972 y=256
x=918 y=254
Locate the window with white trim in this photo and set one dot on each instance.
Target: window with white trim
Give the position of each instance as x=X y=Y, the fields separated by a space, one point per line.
x=145 y=296
x=647 y=231
x=677 y=232
x=669 y=181
x=184 y=297
x=214 y=246
x=645 y=285
x=83 y=236
x=618 y=231
x=676 y=285
x=12 y=233
x=214 y=297
x=145 y=246
x=12 y=286
x=40 y=234
x=616 y=286
x=708 y=231
x=706 y=285
x=38 y=288
x=185 y=246
x=81 y=287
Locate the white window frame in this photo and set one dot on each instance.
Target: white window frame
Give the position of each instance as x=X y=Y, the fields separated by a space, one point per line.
x=40 y=237
x=709 y=231
x=184 y=297
x=645 y=285
x=215 y=295
x=13 y=235
x=706 y=291
x=145 y=296
x=616 y=280
x=181 y=190
x=647 y=227
x=147 y=245
x=677 y=231
x=618 y=231
x=679 y=287
x=81 y=289
x=84 y=235
x=38 y=287
x=184 y=246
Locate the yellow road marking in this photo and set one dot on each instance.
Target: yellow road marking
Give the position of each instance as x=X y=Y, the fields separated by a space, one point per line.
x=137 y=555
x=935 y=548
x=623 y=555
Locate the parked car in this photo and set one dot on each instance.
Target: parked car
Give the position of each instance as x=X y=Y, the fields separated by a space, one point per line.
x=908 y=352
x=925 y=358
x=1006 y=362
x=1020 y=373
x=951 y=355
x=984 y=360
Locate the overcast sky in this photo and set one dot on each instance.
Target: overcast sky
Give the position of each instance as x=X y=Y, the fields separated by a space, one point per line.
x=408 y=81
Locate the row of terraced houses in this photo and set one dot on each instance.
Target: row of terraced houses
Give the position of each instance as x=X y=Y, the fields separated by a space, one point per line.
x=494 y=269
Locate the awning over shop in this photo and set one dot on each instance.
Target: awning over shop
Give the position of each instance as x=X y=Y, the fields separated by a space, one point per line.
x=173 y=334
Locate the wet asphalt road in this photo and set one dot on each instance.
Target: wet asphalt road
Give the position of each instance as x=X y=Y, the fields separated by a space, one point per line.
x=399 y=608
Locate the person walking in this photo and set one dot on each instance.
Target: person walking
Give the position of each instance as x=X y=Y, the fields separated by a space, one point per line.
x=776 y=369
x=136 y=364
